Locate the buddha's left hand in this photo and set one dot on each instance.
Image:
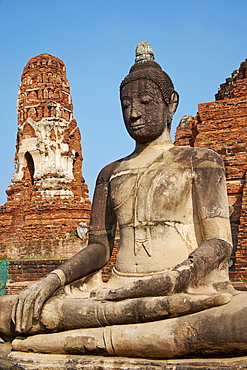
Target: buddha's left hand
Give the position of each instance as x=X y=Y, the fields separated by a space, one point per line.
x=150 y=286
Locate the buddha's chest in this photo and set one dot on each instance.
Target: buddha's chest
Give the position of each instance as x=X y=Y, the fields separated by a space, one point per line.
x=160 y=192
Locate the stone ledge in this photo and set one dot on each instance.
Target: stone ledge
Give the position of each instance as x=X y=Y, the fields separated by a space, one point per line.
x=37 y=361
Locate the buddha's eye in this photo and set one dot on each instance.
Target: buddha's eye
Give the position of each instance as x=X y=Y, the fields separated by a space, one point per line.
x=145 y=99
x=125 y=103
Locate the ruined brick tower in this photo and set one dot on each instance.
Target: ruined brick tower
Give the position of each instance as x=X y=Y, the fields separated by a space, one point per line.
x=222 y=126
x=47 y=198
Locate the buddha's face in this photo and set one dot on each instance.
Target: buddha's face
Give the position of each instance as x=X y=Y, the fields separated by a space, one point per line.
x=144 y=110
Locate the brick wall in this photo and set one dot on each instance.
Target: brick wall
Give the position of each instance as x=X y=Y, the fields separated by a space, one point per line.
x=23 y=271
x=31 y=270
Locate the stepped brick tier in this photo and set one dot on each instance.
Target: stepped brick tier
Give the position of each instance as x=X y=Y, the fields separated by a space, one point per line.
x=222 y=126
x=48 y=197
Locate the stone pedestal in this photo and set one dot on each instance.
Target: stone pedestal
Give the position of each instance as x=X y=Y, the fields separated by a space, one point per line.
x=37 y=361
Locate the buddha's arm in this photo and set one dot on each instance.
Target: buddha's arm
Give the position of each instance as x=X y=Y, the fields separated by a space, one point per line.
x=212 y=214
x=27 y=309
x=210 y=200
x=101 y=238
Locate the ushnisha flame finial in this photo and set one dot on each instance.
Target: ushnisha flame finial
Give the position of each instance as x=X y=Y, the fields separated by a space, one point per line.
x=145 y=67
x=144 y=52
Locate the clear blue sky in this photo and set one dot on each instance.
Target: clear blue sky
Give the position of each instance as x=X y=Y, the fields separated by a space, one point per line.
x=198 y=43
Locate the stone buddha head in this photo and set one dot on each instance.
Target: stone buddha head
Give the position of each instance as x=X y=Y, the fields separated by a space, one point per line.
x=147 y=96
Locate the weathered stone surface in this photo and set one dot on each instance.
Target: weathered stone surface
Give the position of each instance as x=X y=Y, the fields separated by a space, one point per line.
x=221 y=125
x=48 y=197
x=35 y=361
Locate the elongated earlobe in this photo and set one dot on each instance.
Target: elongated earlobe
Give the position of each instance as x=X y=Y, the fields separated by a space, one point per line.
x=172 y=108
x=173 y=103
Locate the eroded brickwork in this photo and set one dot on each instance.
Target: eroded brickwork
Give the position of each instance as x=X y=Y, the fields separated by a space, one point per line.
x=222 y=126
x=48 y=196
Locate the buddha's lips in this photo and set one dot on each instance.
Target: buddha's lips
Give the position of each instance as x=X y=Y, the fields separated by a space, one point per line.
x=137 y=126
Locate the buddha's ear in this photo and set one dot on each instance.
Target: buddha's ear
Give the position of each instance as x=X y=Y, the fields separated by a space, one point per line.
x=174 y=99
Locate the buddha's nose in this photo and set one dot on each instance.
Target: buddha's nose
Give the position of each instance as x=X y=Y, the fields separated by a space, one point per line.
x=135 y=115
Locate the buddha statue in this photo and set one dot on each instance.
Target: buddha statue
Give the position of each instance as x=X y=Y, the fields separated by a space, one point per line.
x=169 y=294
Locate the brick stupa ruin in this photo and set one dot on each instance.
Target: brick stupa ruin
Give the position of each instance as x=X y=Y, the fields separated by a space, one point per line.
x=221 y=125
x=48 y=197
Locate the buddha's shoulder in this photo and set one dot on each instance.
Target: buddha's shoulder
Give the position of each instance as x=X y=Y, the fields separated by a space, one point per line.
x=196 y=156
x=106 y=172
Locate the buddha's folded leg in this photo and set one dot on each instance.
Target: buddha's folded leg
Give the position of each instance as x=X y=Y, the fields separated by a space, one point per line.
x=213 y=331
x=61 y=313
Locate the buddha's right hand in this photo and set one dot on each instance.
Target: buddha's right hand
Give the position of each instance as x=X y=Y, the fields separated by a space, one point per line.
x=27 y=309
